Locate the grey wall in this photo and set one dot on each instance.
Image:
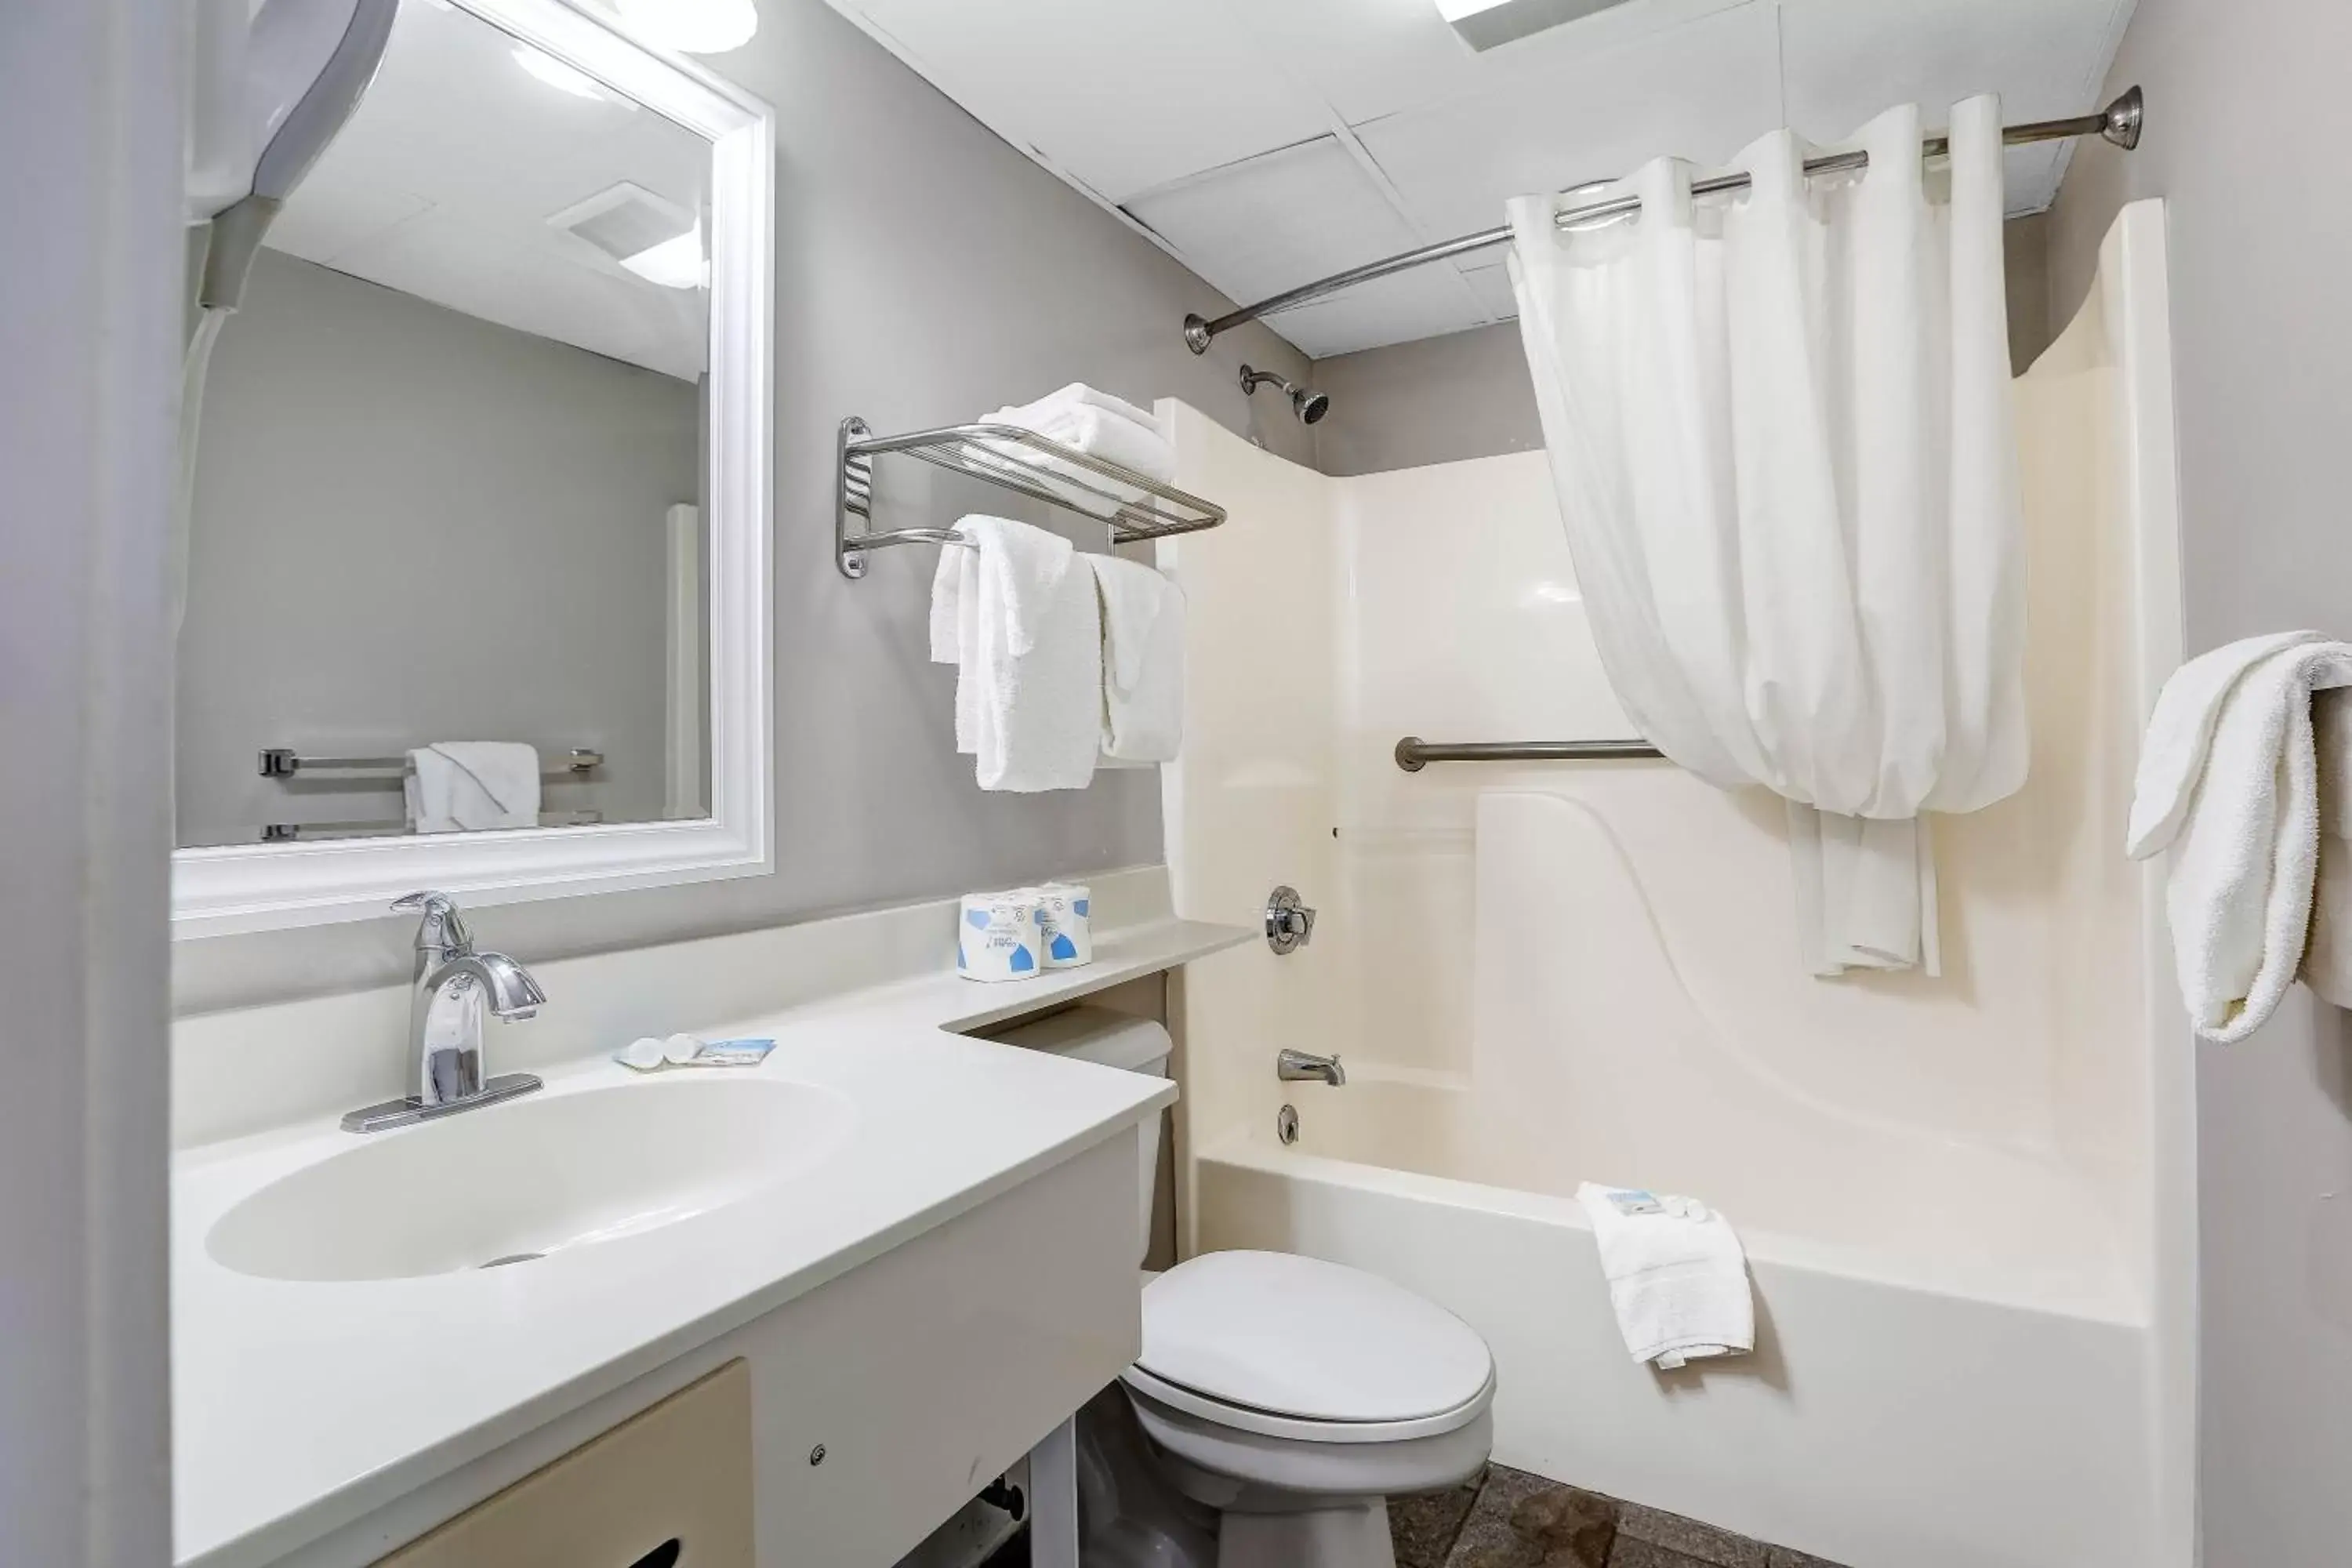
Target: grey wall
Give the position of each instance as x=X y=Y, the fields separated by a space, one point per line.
x=926 y=273
x=2246 y=124
x=1467 y=394
x=415 y=525
x=1440 y=400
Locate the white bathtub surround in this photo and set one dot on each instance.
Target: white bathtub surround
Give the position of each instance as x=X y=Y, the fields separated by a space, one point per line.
x=2230 y=778
x=1019 y=616
x=1780 y=431
x=1677 y=1275
x=1143 y=661
x=297 y=1432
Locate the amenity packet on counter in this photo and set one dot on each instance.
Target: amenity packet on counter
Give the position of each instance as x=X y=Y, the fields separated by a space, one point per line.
x=649 y=1055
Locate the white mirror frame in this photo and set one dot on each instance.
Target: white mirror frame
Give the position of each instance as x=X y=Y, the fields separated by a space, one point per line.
x=217 y=890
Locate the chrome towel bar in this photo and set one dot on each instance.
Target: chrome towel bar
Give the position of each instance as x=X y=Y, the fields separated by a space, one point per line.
x=1413 y=754
x=285 y=763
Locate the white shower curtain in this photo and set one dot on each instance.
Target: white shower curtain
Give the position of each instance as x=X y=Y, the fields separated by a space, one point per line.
x=1780 y=433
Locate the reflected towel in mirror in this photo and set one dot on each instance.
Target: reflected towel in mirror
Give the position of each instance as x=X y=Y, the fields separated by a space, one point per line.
x=464 y=786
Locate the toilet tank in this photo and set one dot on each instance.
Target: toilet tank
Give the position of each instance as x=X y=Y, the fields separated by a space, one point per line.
x=1115 y=1041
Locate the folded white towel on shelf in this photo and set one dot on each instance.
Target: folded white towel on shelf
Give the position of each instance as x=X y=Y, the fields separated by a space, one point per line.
x=1026 y=625
x=464 y=786
x=1143 y=661
x=1080 y=417
x=1677 y=1275
x=1062 y=405
x=2228 y=774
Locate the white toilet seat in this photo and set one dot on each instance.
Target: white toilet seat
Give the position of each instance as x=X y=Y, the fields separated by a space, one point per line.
x=1273 y=1423
x=1290 y=1346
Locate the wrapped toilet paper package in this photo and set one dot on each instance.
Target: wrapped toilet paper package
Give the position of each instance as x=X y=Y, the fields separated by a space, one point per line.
x=999 y=937
x=1062 y=912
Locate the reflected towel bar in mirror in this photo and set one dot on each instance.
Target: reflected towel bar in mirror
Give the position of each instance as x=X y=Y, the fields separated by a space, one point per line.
x=1134 y=506
x=1413 y=754
x=295 y=832
x=285 y=763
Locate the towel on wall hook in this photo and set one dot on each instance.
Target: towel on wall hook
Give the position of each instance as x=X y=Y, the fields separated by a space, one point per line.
x=2230 y=779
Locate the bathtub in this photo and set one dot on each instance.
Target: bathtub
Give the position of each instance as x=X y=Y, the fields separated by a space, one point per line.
x=2018 y=1439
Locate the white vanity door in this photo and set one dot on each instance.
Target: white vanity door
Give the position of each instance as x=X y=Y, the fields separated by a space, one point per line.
x=670 y=1487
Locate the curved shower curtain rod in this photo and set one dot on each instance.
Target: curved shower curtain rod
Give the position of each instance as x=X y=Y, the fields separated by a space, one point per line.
x=2119 y=122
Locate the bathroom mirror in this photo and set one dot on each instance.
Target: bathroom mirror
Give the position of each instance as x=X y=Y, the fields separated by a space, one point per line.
x=476 y=587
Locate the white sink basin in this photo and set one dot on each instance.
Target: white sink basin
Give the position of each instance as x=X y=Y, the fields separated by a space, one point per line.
x=511 y=1183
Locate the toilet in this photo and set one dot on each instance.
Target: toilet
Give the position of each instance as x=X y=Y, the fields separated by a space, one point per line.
x=1290 y=1396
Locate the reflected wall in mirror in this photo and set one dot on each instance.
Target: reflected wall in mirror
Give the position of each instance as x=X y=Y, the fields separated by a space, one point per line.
x=477 y=589
x=450 y=482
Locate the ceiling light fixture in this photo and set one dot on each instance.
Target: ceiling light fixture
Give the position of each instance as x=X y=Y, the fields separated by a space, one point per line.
x=692 y=27
x=1483 y=24
x=556 y=74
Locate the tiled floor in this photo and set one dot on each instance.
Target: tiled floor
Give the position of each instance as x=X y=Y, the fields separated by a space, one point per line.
x=1514 y=1520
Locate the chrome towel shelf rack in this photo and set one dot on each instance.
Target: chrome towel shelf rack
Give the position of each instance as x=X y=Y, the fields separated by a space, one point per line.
x=1134 y=506
x=1413 y=754
x=286 y=762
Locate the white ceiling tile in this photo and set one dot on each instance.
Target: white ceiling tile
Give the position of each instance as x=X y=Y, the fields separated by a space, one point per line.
x=333 y=215
x=1258 y=228
x=1846 y=60
x=1701 y=92
x=1425 y=303
x=1491 y=286
x=1374 y=58
x=1123 y=96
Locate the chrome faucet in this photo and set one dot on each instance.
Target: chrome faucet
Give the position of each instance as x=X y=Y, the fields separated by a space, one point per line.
x=451 y=986
x=1300 y=1067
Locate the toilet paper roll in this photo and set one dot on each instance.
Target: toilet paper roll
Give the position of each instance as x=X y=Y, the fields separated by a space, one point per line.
x=999 y=936
x=1062 y=911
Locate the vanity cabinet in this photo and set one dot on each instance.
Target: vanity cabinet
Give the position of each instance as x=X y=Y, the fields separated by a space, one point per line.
x=669 y=1487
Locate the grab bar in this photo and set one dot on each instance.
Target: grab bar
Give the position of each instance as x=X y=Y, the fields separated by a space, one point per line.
x=1413 y=754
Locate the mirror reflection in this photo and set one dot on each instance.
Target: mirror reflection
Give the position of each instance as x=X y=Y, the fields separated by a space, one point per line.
x=445 y=558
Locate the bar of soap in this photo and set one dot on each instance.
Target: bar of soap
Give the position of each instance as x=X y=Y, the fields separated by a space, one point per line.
x=645 y=1054
x=681 y=1048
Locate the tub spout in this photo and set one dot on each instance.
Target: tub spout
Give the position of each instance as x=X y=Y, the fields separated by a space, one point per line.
x=1300 y=1067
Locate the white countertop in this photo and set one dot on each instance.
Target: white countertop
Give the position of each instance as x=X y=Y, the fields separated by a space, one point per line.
x=300 y=1406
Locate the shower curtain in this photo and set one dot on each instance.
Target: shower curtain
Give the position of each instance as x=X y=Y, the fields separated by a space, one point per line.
x=1779 y=434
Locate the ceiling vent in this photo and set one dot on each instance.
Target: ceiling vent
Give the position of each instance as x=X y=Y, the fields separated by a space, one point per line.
x=624 y=221
x=1483 y=24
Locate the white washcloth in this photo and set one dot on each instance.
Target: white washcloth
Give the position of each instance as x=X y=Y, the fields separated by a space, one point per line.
x=1022 y=619
x=2327 y=957
x=463 y=786
x=2228 y=774
x=1677 y=1275
x=1143 y=661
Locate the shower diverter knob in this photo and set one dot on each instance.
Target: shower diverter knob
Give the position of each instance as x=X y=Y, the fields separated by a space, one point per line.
x=1289 y=924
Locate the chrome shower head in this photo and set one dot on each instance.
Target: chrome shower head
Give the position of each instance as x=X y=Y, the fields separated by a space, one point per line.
x=1305 y=401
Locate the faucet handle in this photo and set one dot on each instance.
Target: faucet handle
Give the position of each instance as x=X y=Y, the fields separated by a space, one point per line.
x=441 y=932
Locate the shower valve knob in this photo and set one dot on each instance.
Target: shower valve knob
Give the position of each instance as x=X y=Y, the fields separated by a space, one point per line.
x=1289 y=924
